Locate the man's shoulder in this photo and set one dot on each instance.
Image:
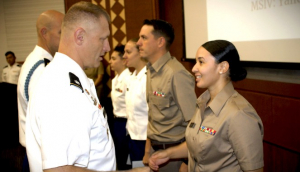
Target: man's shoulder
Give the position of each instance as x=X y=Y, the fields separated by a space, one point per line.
x=175 y=65
x=36 y=55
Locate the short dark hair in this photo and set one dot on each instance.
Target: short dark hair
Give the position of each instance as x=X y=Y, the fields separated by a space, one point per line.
x=162 y=28
x=120 y=50
x=223 y=50
x=10 y=52
x=83 y=10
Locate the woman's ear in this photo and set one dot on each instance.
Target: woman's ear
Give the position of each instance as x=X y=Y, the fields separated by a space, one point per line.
x=224 y=66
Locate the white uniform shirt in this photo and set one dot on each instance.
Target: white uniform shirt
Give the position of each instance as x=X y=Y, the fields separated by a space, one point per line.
x=11 y=74
x=136 y=106
x=65 y=122
x=119 y=85
x=37 y=54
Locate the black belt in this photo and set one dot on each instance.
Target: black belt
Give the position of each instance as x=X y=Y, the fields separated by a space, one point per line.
x=156 y=145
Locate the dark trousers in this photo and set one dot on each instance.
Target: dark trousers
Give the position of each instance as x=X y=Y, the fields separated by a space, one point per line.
x=136 y=149
x=121 y=143
x=107 y=104
x=25 y=165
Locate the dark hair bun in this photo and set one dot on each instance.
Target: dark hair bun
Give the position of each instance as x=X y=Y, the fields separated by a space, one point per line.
x=237 y=74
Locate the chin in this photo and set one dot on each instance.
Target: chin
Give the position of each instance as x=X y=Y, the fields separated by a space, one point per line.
x=129 y=65
x=199 y=85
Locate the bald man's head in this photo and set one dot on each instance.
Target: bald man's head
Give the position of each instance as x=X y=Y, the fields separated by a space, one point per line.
x=48 y=27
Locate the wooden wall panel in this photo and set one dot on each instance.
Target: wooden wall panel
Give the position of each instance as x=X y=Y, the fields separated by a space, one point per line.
x=136 y=12
x=285 y=127
x=270 y=87
x=280 y=159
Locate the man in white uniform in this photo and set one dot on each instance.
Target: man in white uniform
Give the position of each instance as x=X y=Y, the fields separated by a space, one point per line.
x=66 y=128
x=48 y=27
x=66 y=125
x=11 y=71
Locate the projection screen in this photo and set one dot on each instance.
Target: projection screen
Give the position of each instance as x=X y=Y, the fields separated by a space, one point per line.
x=262 y=30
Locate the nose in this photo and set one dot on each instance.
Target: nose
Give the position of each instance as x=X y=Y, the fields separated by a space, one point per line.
x=194 y=70
x=139 y=42
x=106 y=46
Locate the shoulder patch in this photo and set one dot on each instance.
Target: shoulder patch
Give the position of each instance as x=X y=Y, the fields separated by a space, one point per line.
x=74 y=80
x=46 y=61
x=5 y=66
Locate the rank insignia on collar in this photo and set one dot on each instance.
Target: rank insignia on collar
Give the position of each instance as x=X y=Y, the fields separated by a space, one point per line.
x=74 y=81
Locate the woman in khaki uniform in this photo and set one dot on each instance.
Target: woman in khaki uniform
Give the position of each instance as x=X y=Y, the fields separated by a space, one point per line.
x=225 y=133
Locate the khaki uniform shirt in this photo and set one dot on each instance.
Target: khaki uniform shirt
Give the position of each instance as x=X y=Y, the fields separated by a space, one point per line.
x=93 y=73
x=225 y=136
x=171 y=99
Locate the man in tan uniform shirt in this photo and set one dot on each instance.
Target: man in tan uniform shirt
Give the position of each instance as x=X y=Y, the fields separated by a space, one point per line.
x=96 y=74
x=170 y=91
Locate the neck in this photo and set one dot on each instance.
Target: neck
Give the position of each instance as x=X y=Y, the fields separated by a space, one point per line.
x=214 y=90
x=157 y=55
x=43 y=45
x=120 y=71
x=72 y=51
x=140 y=66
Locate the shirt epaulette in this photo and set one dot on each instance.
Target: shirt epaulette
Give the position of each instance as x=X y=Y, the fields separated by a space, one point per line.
x=46 y=61
x=5 y=66
x=74 y=80
x=18 y=65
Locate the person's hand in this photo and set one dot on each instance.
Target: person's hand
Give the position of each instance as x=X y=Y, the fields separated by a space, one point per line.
x=146 y=158
x=140 y=169
x=157 y=159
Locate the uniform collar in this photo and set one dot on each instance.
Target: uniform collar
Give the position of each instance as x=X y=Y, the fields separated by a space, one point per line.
x=14 y=65
x=44 y=53
x=125 y=73
x=160 y=62
x=141 y=73
x=218 y=102
x=74 y=68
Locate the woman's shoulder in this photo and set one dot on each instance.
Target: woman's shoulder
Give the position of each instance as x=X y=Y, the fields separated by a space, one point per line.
x=240 y=107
